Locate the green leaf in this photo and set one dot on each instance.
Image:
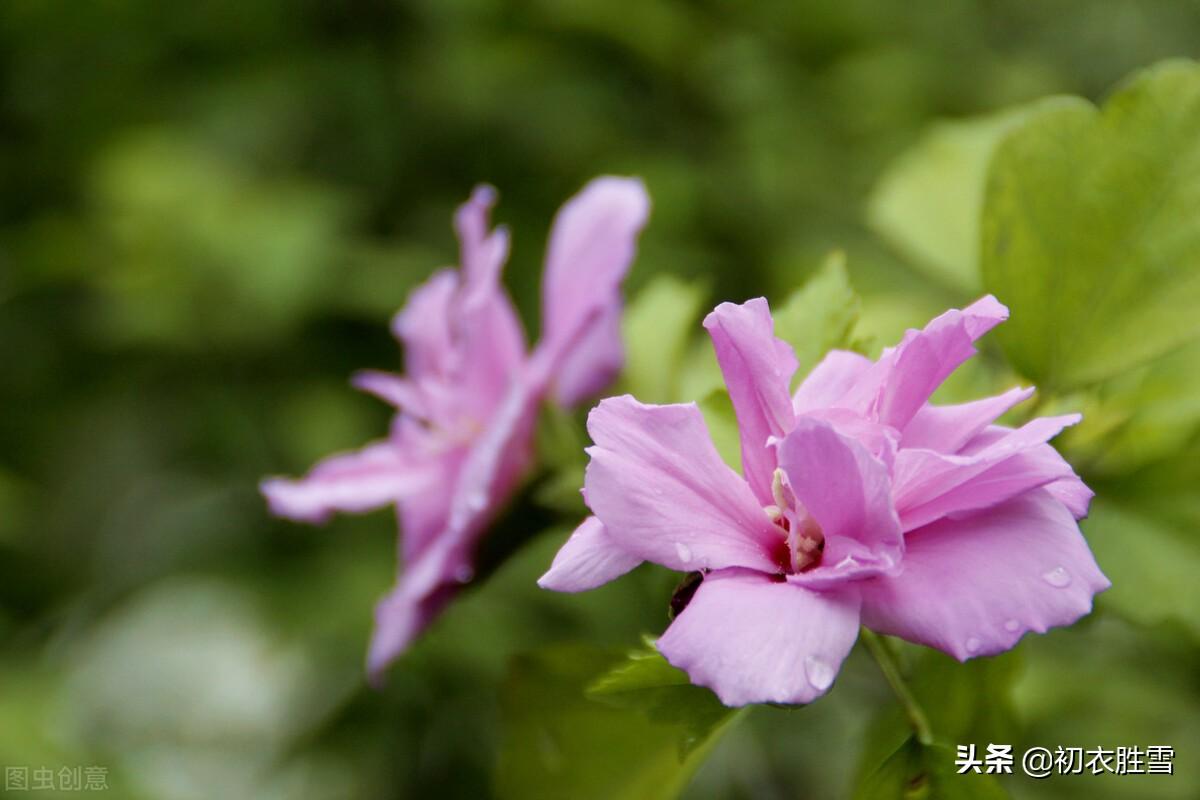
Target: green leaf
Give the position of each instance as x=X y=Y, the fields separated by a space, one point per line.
x=820 y=316
x=1141 y=416
x=1152 y=567
x=657 y=326
x=918 y=772
x=561 y=743
x=643 y=669
x=646 y=682
x=1089 y=233
x=928 y=202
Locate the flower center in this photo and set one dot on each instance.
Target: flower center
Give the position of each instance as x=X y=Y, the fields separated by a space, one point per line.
x=804 y=537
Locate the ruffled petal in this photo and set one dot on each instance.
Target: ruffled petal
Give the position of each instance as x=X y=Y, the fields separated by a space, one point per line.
x=423 y=326
x=486 y=328
x=752 y=639
x=1072 y=492
x=595 y=360
x=664 y=494
x=905 y=376
x=758 y=370
x=395 y=390
x=947 y=428
x=376 y=476
x=848 y=492
x=489 y=473
x=974 y=586
x=1038 y=466
x=483 y=251
x=592 y=244
x=830 y=381
x=590 y=558
x=928 y=485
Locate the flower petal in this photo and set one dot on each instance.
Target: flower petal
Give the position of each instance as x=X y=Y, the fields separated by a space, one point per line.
x=395 y=390
x=903 y=379
x=592 y=244
x=376 y=476
x=594 y=361
x=487 y=332
x=755 y=640
x=400 y=616
x=1038 y=466
x=664 y=494
x=590 y=558
x=848 y=492
x=492 y=352
x=488 y=474
x=928 y=485
x=1072 y=492
x=423 y=326
x=483 y=251
x=947 y=428
x=830 y=380
x=423 y=516
x=758 y=370
x=974 y=586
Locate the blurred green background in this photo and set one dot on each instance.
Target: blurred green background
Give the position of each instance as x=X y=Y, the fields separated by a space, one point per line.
x=208 y=212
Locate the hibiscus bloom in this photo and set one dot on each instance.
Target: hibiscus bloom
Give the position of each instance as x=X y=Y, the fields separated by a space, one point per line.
x=466 y=407
x=859 y=503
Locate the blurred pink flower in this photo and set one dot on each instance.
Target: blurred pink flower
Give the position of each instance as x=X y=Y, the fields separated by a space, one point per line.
x=861 y=503
x=466 y=407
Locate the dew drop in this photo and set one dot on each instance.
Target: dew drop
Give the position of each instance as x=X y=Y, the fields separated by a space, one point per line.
x=973 y=645
x=477 y=501
x=683 y=551
x=1012 y=625
x=464 y=574
x=1057 y=577
x=819 y=674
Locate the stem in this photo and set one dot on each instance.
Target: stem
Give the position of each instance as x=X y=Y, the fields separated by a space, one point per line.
x=891 y=671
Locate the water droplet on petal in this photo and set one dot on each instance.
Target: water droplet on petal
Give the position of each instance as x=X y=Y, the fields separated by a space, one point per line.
x=464 y=573
x=1012 y=625
x=819 y=673
x=476 y=501
x=973 y=645
x=683 y=551
x=1057 y=577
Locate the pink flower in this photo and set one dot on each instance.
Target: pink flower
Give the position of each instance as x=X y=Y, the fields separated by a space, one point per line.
x=462 y=435
x=861 y=503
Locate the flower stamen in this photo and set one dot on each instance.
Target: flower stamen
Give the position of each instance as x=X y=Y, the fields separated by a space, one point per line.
x=803 y=534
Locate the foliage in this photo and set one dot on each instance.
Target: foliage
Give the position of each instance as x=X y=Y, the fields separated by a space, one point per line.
x=636 y=732
x=1086 y=230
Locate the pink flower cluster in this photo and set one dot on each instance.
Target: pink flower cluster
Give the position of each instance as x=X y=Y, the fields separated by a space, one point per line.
x=466 y=407
x=860 y=503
